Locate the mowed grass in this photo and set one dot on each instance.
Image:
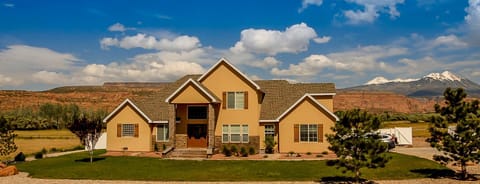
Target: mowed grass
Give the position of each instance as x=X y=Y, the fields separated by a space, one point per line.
x=32 y=141
x=419 y=129
x=74 y=166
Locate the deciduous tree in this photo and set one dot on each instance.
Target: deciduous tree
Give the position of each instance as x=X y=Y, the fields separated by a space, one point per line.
x=462 y=143
x=356 y=142
x=88 y=127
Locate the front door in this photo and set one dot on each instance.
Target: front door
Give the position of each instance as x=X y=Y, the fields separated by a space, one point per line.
x=197 y=135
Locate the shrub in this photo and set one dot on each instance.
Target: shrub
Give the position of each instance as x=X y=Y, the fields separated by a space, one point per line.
x=226 y=151
x=164 y=147
x=269 y=144
x=243 y=152
x=319 y=155
x=44 y=151
x=20 y=157
x=54 y=149
x=251 y=150
x=291 y=153
x=234 y=150
x=265 y=156
x=38 y=155
x=309 y=153
x=325 y=152
x=155 y=147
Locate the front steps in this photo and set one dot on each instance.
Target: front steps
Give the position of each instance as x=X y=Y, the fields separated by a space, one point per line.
x=189 y=153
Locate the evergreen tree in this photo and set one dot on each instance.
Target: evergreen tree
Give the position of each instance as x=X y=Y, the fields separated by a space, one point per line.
x=462 y=144
x=7 y=138
x=356 y=143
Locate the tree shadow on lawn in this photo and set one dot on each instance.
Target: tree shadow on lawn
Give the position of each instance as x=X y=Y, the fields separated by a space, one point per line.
x=342 y=179
x=95 y=159
x=435 y=173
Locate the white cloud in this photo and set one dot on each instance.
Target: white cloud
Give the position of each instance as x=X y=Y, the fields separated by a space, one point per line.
x=140 y=40
x=307 y=3
x=449 y=41
x=119 y=27
x=358 y=60
x=266 y=63
x=8 y=81
x=294 y=39
x=47 y=77
x=9 y=5
x=371 y=10
x=472 y=20
x=323 y=39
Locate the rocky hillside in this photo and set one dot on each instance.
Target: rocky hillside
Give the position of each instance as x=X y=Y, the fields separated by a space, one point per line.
x=382 y=102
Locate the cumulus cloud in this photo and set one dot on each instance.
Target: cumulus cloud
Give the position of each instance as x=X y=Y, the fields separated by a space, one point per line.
x=371 y=10
x=323 y=39
x=48 y=77
x=119 y=28
x=8 y=81
x=140 y=40
x=294 y=39
x=307 y=3
x=472 y=20
x=266 y=63
x=359 y=60
x=449 y=41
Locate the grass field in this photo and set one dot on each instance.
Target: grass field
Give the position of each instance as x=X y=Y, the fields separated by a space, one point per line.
x=418 y=129
x=76 y=166
x=33 y=141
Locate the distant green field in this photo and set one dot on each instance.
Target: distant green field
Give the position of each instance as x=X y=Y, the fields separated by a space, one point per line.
x=76 y=166
x=32 y=141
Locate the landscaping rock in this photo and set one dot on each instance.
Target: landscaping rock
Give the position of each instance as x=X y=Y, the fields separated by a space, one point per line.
x=8 y=171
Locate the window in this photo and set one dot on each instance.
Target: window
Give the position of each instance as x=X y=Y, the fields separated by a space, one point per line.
x=235 y=100
x=308 y=133
x=128 y=130
x=162 y=132
x=269 y=131
x=235 y=133
x=197 y=112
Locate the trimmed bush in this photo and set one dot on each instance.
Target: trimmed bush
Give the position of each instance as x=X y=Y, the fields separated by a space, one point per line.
x=309 y=153
x=251 y=150
x=44 y=151
x=325 y=152
x=226 y=151
x=243 y=152
x=319 y=155
x=234 y=150
x=20 y=157
x=38 y=155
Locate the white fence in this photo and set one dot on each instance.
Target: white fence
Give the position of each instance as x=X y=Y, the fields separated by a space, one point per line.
x=101 y=143
x=403 y=134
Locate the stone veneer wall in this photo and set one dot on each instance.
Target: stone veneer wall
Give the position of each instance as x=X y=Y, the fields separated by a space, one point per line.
x=160 y=144
x=181 y=141
x=254 y=141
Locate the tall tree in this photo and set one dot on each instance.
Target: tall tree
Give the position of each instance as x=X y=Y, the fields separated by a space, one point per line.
x=7 y=138
x=88 y=127
x=462 y=143
x=356 y=142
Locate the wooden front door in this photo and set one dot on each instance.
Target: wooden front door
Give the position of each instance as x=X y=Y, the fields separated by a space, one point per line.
x=197 y=135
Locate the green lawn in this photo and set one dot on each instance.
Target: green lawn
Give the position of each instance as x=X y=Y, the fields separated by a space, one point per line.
x=137 y=168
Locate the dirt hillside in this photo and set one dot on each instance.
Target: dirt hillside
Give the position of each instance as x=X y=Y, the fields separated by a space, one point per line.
x=110 y=95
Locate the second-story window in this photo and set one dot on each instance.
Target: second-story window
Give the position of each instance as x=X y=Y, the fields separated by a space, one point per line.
x=236 y=100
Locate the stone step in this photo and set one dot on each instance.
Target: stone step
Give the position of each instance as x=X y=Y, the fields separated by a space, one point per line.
x=189 y=153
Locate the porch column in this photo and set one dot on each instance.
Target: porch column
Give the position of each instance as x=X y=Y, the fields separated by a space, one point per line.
x=211 y=127
x=171 y=123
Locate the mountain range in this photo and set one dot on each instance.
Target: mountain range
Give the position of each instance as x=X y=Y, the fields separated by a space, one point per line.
x=431 y=85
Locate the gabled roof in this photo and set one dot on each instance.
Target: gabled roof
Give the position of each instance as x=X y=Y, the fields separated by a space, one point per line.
x=280 y=95
x=315 y=102
x=225 y=61
x=123 y=104
x=202 y=88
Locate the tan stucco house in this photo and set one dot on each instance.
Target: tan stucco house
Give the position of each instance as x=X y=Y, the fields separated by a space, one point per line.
x=225 y=107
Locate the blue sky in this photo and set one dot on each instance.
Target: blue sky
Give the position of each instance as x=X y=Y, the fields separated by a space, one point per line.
x=44 y=44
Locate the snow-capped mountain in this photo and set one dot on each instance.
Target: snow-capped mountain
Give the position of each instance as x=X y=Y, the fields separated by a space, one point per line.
x=432 y=84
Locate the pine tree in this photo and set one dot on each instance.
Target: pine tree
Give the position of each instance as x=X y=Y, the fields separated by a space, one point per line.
x=355 y=142
x=7 y=138
x=462 y=144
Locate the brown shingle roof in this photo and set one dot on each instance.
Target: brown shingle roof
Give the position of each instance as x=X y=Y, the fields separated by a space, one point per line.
x=154 y=106
x=280 y=95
